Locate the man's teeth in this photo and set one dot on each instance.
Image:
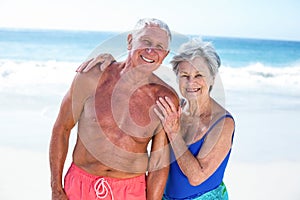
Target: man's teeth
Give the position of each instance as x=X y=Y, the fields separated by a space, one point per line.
x=147 y=60
x=192 y=89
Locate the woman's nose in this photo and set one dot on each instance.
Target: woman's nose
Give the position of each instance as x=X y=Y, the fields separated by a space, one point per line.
x=190 y=79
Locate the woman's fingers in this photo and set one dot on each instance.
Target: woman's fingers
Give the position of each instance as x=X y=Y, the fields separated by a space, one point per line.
x=167 y=107
x=159 y=115
x=171 y=104
x=108 y=59
x=165 y=104
x=90 y=65
x=83 y=66
x=168 y=114
x=103 y=59
x=162 y=108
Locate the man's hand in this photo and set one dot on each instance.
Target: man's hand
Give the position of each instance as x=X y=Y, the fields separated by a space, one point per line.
x=105 y=59
x=59 y=195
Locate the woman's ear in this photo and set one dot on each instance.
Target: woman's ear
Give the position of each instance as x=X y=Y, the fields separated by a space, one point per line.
x=129 y=42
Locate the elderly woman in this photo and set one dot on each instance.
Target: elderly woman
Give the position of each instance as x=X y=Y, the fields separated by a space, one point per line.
x=201 y=134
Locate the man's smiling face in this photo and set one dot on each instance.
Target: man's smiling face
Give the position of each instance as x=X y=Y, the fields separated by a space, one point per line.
x=148 y=46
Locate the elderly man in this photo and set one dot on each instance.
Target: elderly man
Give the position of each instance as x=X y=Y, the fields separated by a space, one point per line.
x=116 y=122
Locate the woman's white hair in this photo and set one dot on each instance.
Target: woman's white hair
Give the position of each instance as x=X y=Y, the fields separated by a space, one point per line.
x=197 y=48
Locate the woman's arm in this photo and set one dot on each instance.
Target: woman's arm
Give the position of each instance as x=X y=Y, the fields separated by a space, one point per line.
x=196 y=169
x=103 y=60
x=199 y=168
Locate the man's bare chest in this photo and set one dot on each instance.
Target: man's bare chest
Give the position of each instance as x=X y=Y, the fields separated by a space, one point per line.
x=125 y=109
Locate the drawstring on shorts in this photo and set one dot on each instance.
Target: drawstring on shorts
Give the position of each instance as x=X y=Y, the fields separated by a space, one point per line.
x=102 y=188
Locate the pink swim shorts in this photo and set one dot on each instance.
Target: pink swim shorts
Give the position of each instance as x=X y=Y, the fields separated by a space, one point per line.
x=80 y=185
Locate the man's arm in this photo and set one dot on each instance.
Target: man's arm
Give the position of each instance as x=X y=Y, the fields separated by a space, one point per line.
x=59 y=146
x=71 y=108
x=160 y=156
x=158 y=166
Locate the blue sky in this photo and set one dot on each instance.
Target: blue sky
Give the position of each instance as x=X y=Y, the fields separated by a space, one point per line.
x=271 y=19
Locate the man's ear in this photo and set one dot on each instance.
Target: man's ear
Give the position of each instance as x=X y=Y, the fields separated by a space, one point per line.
x=167 y=53
x=129 y=42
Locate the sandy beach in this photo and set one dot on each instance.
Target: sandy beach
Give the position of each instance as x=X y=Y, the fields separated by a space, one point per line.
x=25 y=174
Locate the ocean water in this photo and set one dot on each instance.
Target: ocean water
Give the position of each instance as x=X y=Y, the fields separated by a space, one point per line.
x=260 y=79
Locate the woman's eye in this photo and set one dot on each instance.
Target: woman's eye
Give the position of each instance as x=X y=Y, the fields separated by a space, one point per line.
x=198 y=76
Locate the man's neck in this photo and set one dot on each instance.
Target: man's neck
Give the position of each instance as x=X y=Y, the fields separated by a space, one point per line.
x=135 y=74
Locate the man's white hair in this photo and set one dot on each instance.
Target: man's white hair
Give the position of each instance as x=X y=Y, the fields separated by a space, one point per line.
x=148 y=21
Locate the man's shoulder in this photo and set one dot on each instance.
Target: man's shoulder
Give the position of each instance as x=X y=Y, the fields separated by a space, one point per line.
x=86 y=82
x=161 y=83
x=163 y=89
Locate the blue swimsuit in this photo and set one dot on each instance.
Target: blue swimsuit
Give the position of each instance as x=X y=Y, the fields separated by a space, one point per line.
x=178 y=186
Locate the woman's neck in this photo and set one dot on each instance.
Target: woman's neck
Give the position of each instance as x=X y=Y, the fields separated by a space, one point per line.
x=200 y=107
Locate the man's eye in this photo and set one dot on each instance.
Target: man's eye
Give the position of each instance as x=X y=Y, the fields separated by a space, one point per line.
x=147 y=42
x=160 y=47
x=198 y=76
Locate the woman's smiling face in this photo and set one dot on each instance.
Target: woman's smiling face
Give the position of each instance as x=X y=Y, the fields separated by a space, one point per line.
x=194 y=78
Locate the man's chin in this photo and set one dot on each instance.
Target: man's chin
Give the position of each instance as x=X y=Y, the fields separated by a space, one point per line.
x=148 y=67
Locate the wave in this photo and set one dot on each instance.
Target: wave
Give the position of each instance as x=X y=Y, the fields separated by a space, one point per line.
x=261 y=77
x=34 y=77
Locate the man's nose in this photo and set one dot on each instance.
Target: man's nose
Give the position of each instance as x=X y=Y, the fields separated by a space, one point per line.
x=149 y=49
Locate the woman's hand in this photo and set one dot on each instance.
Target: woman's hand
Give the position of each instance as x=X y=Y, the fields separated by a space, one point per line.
x=105 y=59
x=169 y=116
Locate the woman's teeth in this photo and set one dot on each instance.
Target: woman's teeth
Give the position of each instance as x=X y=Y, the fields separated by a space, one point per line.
x=192 y=89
